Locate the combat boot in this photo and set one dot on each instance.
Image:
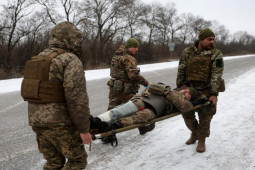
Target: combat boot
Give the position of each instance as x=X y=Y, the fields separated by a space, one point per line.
x=107 y=139
x=111 y=139
x=117 y=125
x=201 y=145
x=96 y=123
x=192 y=139
x=147 y=128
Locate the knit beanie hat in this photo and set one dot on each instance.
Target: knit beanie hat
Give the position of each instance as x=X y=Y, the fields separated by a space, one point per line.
x=193 y=93
x=205 y=33
x=131 y=43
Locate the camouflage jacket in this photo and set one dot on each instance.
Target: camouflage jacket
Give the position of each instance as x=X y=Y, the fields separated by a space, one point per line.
x=67 y=69
x=128 y=67
x=179 y=101
x=216 y=67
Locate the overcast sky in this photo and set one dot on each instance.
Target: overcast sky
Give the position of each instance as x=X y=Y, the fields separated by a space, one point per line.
x=235 y=15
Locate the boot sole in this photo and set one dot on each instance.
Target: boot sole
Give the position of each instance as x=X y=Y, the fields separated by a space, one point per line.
x=188 y=143
x=199 y=151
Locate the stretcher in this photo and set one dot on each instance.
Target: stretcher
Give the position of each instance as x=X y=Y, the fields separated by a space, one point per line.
x=113 y=132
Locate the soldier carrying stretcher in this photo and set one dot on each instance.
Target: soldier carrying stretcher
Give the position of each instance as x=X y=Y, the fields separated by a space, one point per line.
x=155 y=101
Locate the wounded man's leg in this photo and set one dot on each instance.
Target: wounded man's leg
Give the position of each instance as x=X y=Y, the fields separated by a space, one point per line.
x=119 y=111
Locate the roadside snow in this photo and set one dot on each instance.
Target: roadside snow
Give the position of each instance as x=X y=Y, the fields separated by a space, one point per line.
x=230 y=146
x=12 y=85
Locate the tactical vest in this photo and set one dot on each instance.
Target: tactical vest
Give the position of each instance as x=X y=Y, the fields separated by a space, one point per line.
x=159 y=88
x=117 y=71
x=36 y=87
x=199 y=69
x=156 y=99
x=157 y=103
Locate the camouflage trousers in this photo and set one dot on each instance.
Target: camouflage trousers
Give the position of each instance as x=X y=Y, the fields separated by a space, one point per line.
x=205 y=114
x=58 y=144
x=116 y=98
x=201 y=128
x=139 y=117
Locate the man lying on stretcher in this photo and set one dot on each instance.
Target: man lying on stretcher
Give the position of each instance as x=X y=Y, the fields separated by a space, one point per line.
x=155 y=101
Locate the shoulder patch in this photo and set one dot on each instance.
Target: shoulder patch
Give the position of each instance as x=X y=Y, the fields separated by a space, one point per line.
x=219 y=63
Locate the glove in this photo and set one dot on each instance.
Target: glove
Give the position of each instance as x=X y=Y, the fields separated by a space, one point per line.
x=148 y=85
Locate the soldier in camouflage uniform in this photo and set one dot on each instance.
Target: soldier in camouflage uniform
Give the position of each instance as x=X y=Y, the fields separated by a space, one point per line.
x=125 y=76
x=201 y=66
x=61 y=126
x=155 y=101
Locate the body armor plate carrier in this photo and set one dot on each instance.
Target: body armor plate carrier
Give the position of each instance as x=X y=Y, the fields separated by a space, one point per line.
x=156 y=98
x=198 y=69
x=36 y=87
x=116 y=70
x=157 y=103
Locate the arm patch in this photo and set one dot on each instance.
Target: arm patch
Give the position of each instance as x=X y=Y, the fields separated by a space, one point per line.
x=219 y=63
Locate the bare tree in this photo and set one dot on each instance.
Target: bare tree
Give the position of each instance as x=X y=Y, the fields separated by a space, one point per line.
x=150 y=21
x=3 y=26
x=15 y=12
x=186 y=31
x=107 y=21
x=242 y=37
x=72 y=11
x=134 y=15
x=49 y=7
x=222 y=34
x=53 y=8
x=64 y=10
x=68 y=8
x=38 y=25
x=199 y=24
x=168 y=22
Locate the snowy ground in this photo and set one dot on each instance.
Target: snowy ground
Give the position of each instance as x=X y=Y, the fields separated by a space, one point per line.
x=230 y=146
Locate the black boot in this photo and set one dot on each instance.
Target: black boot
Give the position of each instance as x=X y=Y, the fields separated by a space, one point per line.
x=96 y=123
x=110 y=139
x=147 y=128
x=92 y=122
x=107 y=139
x=116 y=125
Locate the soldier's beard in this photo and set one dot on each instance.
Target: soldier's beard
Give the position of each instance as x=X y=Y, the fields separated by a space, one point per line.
x=208 y=47
x=211 y=46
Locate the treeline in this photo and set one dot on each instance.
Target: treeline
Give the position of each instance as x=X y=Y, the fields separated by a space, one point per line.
x=106 y=24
